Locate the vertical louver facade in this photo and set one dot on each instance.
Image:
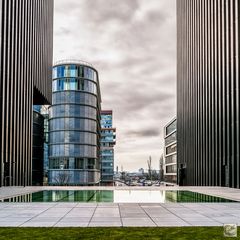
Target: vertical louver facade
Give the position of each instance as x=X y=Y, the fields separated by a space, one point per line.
x=208 y=92
x=26 y=33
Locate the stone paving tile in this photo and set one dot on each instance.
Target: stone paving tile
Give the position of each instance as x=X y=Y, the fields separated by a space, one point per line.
x=10 y=224
x=133 y=215
x=205 y=223
x=71 y=224
x=227 y=219
x=11 y=219
x=38 y=224
x=172 y=224
x=108 y=205
x=45 y=219
x=105 y=219
x=68 y=205
x=86 y=205
x=105 y=224
x=169 y=219
x=141 y=222
x=75 y=219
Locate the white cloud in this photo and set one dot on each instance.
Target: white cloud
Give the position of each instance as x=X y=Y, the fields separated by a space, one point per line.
x=132 y=43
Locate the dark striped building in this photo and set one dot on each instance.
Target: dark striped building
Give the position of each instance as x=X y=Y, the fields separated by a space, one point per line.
x=26 y=32
x=208 y=92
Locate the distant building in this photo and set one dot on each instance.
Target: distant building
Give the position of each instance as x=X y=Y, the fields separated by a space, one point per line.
x=170 y=151
x=74 y=125
x=108 y=140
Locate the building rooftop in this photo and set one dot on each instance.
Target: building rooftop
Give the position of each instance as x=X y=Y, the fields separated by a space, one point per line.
x=73 y=61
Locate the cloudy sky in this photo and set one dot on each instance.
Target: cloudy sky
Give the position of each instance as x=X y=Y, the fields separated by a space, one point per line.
x=132 y=44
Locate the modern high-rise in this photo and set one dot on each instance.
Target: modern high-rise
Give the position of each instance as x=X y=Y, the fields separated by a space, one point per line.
x=108 y=140
x=74 y=125
x=208 y=92
x=26 y=33
x=170 y=152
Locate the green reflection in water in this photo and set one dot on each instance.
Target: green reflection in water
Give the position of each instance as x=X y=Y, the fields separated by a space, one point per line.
x=108 y=196
x=188 y=196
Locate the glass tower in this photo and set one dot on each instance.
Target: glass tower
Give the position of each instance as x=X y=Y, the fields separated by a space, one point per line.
x=108 y=140
x=74 y=125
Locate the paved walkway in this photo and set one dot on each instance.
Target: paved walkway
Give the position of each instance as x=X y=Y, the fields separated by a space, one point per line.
x=119 y=214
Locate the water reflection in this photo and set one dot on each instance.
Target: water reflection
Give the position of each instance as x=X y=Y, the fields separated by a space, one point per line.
x=117 y=196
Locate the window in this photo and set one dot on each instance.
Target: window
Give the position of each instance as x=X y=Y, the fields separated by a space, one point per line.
x=171 y=149
x=172 y=127
x=171 y=169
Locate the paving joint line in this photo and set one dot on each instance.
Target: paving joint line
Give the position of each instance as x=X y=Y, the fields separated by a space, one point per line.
x=64 y=216
x=92 y=214
x=177 y=216
x=38 y=214
x=203 y=215
x=120 y=214
x=148 y=215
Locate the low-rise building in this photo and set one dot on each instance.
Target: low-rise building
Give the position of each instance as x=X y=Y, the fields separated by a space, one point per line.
x=170 y=151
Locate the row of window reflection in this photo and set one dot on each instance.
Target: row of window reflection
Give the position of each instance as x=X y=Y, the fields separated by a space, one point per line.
x=107 y=152
x=171 y=149
x=107 y=164
x=74 y=71
x=172 y=127
x=72 y=124
x=73 y=150
x=107 y=144
x=107 y=139
x=73 y=137
x=108 y=170
x=107 y=158
x=74 y=97
x=171 y=138
x=171 y=169
x=74 y=84
x=73 y=163
x=71 y=110
x=171 y=159
x=73 y=177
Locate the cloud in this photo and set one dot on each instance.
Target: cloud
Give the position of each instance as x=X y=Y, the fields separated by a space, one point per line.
x=132 y=44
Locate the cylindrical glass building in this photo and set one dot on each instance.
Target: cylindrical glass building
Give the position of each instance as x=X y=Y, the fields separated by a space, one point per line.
x=74 y=125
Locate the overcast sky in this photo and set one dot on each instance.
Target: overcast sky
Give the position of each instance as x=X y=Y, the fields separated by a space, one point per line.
x=132 y=44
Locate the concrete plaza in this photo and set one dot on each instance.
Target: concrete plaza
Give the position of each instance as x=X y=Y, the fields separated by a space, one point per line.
x=59 y=214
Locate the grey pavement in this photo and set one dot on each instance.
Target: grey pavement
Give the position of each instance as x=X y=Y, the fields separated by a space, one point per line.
x=57 y=214
x=92 y=215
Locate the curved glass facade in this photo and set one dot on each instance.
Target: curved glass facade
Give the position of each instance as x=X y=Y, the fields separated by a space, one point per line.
x=74 y=122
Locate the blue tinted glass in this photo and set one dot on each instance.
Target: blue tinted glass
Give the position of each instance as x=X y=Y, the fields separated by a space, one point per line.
x=60 y=71
x=73 y=71
x=54 y=86
x=55 y=72
x=73 y=84
x=60 y=85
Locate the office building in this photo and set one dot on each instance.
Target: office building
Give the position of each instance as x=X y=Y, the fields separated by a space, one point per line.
x=170 y=152
x=26 y=33
x=74 y=125
x=208 y=92
x=108 y=140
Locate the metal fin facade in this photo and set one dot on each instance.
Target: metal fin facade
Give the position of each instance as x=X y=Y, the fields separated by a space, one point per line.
x=26 y=33
x=208 y=91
